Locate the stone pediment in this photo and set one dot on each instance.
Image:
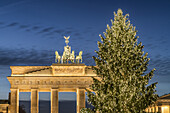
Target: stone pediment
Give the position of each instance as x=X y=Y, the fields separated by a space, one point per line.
x=53 y=70
x=165 y=96
x=21 y=70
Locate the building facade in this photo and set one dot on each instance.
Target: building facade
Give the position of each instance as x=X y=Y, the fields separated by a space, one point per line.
x=162 y=105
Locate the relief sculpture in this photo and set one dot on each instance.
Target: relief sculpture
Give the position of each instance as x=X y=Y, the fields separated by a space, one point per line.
x=69 y=70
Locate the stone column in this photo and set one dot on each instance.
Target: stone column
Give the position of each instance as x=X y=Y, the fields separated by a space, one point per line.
x=14 y=107
x=156 y=108
x=149 y=109
x=54 y=100
x=153 y=109
x=34 y=101
x=159 y=109
x=80 y=99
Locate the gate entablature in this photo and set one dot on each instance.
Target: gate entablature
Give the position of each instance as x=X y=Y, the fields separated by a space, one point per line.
x=61 y=76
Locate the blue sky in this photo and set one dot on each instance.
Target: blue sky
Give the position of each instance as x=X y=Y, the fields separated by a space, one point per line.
x=32 y=30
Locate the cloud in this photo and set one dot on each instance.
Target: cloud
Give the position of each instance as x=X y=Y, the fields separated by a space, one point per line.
x=35 y=27
x=45 y=30
x=48 y=32
x=59 y=31
x=149 y=45
x=26 y=57
x=153 y=43
x=5 y=25
x=23 y=26
x=11 y=6
x=68 y=32
x=87 y=58
x=12 y=24
x=162 y=65
x=77 y=34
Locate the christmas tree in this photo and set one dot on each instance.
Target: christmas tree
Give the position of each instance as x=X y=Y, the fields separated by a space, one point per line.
x=121 y=65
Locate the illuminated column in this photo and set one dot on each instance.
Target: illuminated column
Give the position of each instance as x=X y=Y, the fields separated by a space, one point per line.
x=149 y=109
x=146 y=110
x=54 y=100
x=156 y=109
x=80 y=99
x=34 y=100
x=14 y=108
x=153 y=109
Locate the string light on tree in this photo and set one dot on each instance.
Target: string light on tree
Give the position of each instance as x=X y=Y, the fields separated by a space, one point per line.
x=121 y=65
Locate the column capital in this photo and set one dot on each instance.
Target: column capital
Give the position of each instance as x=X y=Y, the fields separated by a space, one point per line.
x=54 y=89
x=34 y=88
x=82 y=88
x=14 y=89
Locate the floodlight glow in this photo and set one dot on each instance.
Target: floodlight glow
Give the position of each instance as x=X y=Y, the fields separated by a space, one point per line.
x=165 y=109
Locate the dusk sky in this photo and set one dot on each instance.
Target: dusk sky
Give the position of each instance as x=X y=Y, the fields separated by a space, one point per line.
x=32 y=30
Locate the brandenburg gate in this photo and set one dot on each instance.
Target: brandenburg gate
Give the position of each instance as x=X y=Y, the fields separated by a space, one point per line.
x=63 y=76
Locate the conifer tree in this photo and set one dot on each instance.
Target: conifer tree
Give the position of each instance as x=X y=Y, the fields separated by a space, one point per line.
x=121 y=65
